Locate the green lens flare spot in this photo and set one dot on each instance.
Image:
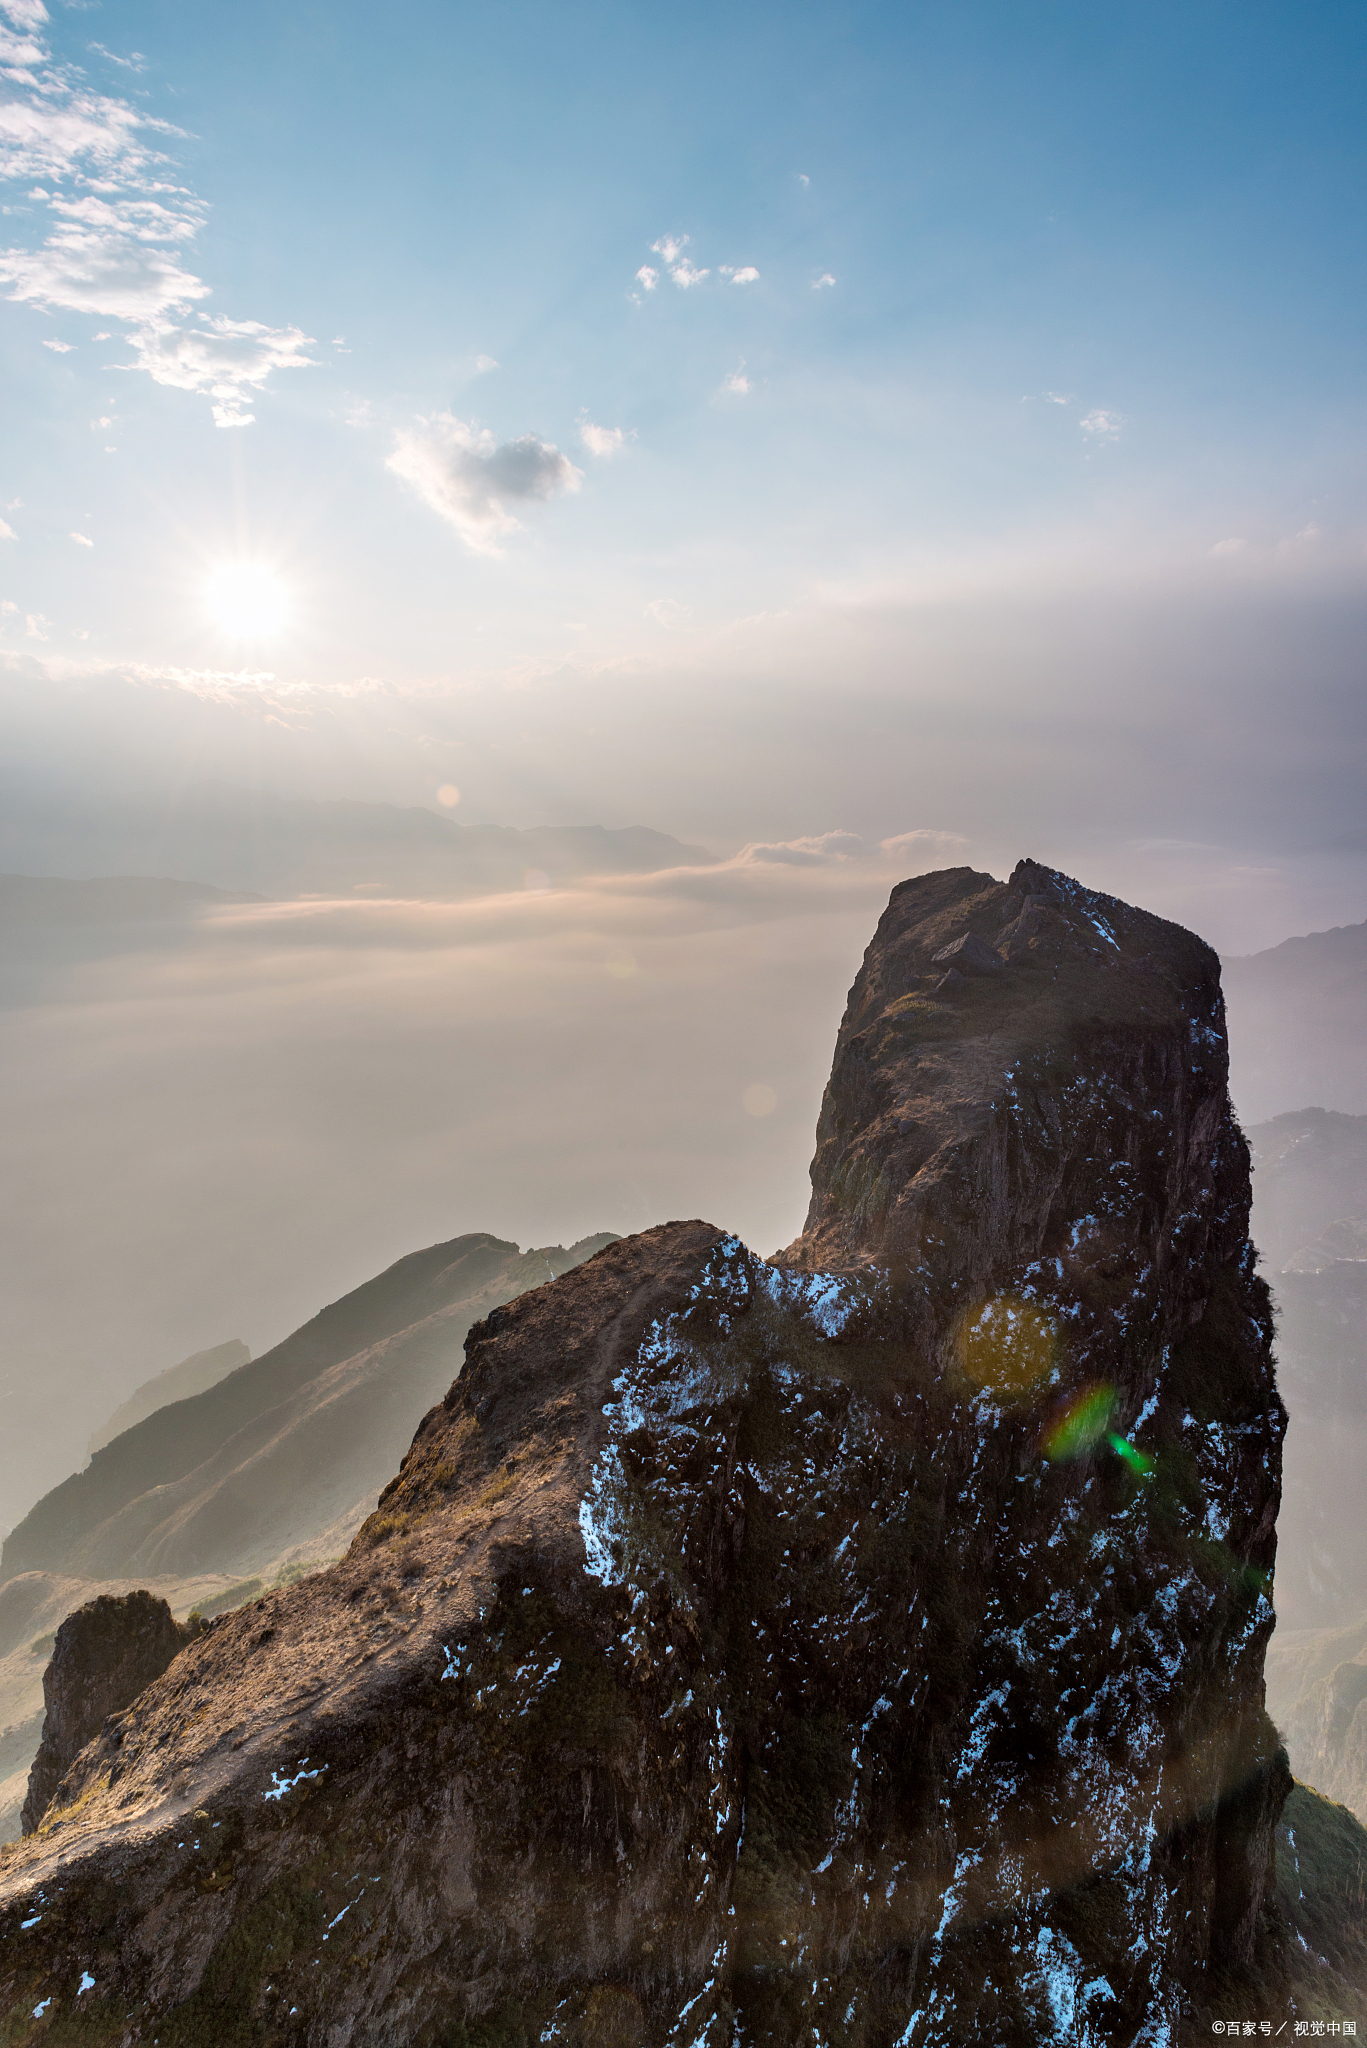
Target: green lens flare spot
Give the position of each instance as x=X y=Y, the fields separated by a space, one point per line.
x=1082 y=1426
x=1138 y=1461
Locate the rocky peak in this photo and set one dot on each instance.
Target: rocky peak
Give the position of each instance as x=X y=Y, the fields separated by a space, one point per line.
x=105 y=1654
x=864 y=1646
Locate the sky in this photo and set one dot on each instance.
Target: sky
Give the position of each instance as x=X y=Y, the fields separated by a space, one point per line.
x=853 y=440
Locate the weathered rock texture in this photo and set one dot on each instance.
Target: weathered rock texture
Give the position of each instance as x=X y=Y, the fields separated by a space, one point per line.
x=105 y=1654
x=864 y=1647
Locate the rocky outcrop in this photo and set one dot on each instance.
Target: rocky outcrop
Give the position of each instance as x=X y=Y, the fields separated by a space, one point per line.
x=105 y=1654
x=864 y=1646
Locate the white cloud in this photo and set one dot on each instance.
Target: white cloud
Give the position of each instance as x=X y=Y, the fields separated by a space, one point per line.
x=667 y=611
x=1233 y=546
x=925 y=843
x=604 y=442
x=483 y=363
x=737 y=381
x=671 y=247
x=83 y=540
x=647 y=278
x=466 y=476
x=686 y=274
x=35 y=625
x=1102 y=425
x=84 y=270
x=60 y=348
x=134 y=61
x=359 y=415
x=227 y=360
x=117 y=221
x=18 y=55
x=746 y=276
x=838 y=849
x=820 y=284
x=1059 y=398
x=7 y=532
x=819 y=850
x=803 y=180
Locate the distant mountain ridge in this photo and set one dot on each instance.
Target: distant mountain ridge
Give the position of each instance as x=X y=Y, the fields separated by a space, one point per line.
x=105 y=899
x=193 y=1375
x=291 y=1448
x=1296 y=1023
x=248 y=840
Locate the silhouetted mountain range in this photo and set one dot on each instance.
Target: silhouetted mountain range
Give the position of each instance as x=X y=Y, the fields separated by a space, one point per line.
x=192 y=1376
x=243 y=840
x=1297 y=1016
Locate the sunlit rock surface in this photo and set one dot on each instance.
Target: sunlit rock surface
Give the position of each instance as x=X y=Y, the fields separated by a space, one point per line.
x=862 y=1647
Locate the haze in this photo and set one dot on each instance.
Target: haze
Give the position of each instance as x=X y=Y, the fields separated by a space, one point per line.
x=850 y=443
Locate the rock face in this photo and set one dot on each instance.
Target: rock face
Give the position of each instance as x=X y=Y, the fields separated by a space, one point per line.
x=862 y=1647
x=105 y=1654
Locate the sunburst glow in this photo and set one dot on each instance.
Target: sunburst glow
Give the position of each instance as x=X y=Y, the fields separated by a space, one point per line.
x=248 y=600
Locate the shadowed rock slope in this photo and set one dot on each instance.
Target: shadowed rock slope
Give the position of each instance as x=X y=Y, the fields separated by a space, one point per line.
x=863 y=1647
x=291 y=1448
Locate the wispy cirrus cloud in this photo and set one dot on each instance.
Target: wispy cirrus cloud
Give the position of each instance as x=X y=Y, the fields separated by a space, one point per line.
x=468 y=478
x=134 y=61
x=117 y=226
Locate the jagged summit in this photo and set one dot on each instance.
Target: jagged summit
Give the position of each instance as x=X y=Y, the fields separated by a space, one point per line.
x=936 y=1054
x=864 y=1646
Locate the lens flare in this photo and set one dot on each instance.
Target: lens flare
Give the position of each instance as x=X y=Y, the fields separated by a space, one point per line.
x=1084 y=1423
x=1138 y=1461
x=248 y=600
x=1006 y=1347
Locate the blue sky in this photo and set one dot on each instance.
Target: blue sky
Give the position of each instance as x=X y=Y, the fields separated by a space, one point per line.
x=626 y=360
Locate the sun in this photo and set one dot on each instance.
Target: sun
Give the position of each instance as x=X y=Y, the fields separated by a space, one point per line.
x=248 y=600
